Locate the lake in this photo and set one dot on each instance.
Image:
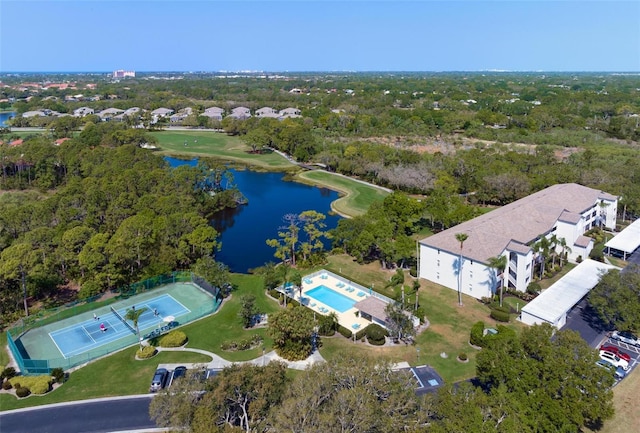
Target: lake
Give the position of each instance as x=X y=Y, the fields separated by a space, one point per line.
x=245 y=229
x=6 y=116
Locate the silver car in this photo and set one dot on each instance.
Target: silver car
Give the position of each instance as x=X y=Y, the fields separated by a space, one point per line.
x=626 y=337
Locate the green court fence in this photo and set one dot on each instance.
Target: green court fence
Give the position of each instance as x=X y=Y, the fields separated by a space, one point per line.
x=44 y=366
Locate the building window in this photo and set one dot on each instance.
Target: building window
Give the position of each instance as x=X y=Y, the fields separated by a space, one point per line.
x=438 y=275
x=438 y=262
x=438 y=251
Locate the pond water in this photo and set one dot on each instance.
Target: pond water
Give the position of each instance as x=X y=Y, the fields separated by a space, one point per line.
x=6 y=116
x=245 y=229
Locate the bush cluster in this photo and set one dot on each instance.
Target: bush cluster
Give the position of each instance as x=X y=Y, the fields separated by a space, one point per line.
x=173 y=339
x=146 y=352
x=477 y=334
x=345 y=332
x=376 y=334
x=462 y=356
x=500 y=316
x=23 y=391
x=58 y=375
x=327 y=325
x=244 y=344
x=8 y=373
x=34 y=384
x=6 y=385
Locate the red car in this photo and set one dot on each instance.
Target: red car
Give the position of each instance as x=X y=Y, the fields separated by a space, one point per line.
x=617 y=351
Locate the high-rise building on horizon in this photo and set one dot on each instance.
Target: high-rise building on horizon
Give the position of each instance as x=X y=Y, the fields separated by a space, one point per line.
x=121 y=73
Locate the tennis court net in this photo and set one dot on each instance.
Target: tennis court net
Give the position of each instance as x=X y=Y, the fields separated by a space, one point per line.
x=122 y=320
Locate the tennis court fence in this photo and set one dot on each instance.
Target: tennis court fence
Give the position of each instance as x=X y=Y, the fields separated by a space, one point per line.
x=28 y=366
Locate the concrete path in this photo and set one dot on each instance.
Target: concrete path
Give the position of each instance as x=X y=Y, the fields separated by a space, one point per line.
x=218 y=363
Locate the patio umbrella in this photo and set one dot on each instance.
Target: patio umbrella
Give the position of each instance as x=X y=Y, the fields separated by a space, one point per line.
x=168 y=319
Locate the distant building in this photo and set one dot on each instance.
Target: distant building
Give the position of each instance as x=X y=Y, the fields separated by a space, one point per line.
x=121 y=73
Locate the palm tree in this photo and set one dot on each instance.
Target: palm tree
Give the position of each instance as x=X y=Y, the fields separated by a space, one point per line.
x=460 y=237
x=553 y=243
x=542 y=250
x=565 y=249
x=134 y=314
x=499 y=263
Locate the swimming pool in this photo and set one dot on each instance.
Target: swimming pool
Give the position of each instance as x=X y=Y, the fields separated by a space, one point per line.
x=331 y=298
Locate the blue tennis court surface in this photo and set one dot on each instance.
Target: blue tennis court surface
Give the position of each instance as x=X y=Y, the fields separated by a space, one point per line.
x=331 y=298
x=88 y=335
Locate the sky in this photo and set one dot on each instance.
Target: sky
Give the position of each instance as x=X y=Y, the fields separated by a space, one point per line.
x=319 y=35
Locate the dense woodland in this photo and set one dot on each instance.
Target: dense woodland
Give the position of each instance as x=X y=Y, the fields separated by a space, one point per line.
x=101 y=218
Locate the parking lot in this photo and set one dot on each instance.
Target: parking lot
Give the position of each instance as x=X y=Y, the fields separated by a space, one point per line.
x=632 y=351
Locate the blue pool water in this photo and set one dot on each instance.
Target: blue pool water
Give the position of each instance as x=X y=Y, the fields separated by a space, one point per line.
x=331 y=298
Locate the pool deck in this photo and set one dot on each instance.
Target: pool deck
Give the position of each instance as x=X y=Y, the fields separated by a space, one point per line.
x=348 y=319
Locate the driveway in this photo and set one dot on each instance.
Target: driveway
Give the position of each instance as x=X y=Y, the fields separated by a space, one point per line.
x=586 y=322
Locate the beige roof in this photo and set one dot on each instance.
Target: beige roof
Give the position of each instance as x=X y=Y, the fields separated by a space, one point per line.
x=521 y=221
x=372 y=306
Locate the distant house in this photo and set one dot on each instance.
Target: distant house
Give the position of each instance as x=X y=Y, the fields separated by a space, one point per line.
x=16 y=143
x=82 y=111
x=108 y=113
x=266 y=112
x=35 y=113
x=214 y=113
x=289 y=112
x=162 y=112
x=240 y=113
x=59 y=141
x=181 y=115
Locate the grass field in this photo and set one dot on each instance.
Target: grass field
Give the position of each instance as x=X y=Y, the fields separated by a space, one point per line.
x=216 y=145
x=357 y=197
x=625 y=402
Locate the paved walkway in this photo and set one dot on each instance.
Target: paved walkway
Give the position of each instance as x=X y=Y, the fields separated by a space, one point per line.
x=217 y=362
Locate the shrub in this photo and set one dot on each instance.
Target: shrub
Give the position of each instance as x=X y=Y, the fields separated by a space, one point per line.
x=376 y=334
x=244 y=344
x=35 y=384
x=534 y=288
x=274 y=294
x=173 y=339
x=476 y=337
x=8 y=373
x=420 y=313
x=462 y=356
x=57 y=374
x=596 y=253
x=361 y=333
x=500 y=316
x=327 y=325
x=146 y=352
x=23 y=392
x=6 y=385
x=579 y=259
x=345 y=332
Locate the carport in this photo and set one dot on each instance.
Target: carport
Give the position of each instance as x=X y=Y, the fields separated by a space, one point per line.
x=625 y=242
x=552 y=305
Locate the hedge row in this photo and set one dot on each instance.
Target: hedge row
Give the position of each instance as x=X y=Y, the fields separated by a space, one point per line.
x=146 y=352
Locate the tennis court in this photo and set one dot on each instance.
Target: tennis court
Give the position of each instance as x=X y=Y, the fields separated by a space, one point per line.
x=109 y=327
x=79 y=339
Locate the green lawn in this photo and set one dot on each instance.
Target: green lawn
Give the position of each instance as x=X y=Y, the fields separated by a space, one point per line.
x=216 y=145
x=357 y=197
x=119 y=374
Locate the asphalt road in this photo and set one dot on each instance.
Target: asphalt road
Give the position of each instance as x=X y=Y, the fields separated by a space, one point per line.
x=93 y=416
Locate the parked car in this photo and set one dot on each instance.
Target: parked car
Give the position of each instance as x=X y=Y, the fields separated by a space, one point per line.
x=178 y=372
x=617 y=351
x=159 y=380
x=619 y=372
x=626 y=337
x=614 y=359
